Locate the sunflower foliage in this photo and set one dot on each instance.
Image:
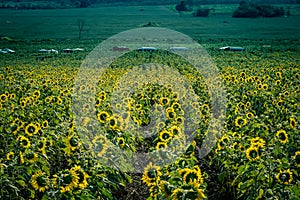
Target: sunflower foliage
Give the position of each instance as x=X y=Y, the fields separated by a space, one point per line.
x=144 y=103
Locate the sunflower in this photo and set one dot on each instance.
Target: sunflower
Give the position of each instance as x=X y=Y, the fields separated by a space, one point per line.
x=296 y=157
x=175 y=130
x=100 y=145
x=170 y=113
x=164 y=101
x=40 y=181
x=73 y=142
x=285 y=177
x=121 y=142
x=193 y=175
x=252 y=153
x=180 y=120
x=66 y=180
x=191 y=149
x=258 y=142
x=23 y=104
x=112 y=122
x=292 y=123
x=21 y=157
x=190 y=190
x=30 y=156
x=161 y=145
x=282 y=136
x=102 y=95
x=222 y=142
x=3 y=98
x=165 y=188
x=83 y=176
x=41 y=145
x=36 y=94
x=176 y=106
x=45 y=124
x=24 y=141
x=151 y=174
x=177 y=193
x=10 y=155
x=240 y=122
x=102 y=116
x=249 y=115
x=165 y=136
x=31 y=129
x=265 y=86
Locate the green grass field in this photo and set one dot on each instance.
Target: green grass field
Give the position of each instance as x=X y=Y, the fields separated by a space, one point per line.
x=103 y=22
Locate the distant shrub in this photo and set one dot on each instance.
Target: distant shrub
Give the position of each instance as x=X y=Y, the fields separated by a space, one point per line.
x=181 y=6
x=251 y=10
x=201 y=12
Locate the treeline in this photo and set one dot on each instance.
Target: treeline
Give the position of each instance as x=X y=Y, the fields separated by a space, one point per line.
x=87 y=3
x=253 y=10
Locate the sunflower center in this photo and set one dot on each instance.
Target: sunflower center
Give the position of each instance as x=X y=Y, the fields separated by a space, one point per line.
x=191 y=177
x=151 y=173
x=165 y=136
x=297 y=158
x=24 y=142
x=68 y=179
x=74 y=142
x=31 y=129
x=282 y=136
x=253 y=154
x=284 y=177
x=42 y=181
x=103 y=116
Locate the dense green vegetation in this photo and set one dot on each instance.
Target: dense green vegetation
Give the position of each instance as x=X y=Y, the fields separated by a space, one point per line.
x=251 y=10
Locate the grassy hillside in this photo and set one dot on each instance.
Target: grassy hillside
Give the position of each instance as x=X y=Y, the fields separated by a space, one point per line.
x=103 y=22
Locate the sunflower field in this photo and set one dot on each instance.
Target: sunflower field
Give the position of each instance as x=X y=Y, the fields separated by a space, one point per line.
x=256 y=156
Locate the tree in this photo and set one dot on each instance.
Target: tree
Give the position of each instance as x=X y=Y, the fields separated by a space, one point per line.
x=80 y=24
x=181 y=7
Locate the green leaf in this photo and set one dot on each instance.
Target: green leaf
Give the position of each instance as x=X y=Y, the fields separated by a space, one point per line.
x=241 y=169
x=106 y=193
x=21 y=183
x=260 y=194
x=222 y=176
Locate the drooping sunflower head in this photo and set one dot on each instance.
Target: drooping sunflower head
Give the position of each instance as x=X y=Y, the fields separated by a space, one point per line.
x=151 y=174
x=193 y=175
x=83 y=176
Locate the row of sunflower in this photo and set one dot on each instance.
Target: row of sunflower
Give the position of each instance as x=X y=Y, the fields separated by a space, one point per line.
x=161 y=110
